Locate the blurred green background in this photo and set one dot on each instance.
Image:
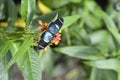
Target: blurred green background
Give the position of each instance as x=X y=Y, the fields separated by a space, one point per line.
x=89 y=49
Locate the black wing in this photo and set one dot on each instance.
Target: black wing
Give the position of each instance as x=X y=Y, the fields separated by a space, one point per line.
x=54 y=27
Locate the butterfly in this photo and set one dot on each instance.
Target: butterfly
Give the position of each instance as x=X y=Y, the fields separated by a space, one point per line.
x=49 y=33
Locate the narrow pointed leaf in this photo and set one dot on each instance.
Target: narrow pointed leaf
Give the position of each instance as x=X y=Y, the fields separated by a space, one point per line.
x=12 y=13
x=70 y=20
x=27 y=10
x=4 y=47
x=113 y=64
x=14 y=48
x=83 y=52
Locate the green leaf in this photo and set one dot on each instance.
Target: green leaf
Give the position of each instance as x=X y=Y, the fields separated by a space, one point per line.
x=70 y=20
x=14 y=48
x=2 y=9
x=82 y=52
x=111 y=26
x=12 y=13
x=76 y=1
x=32 y=66
x=23 y=48
x=4 y=47
x=27 y=10
x=55 y=4
x=113 y=64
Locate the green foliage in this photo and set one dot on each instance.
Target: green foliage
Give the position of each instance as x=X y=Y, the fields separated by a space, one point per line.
x=112 y=64
x=82 y=52
x=69 y=20
x=21 y=51
x=89 y=49
x=32 y=67
x=27 y=10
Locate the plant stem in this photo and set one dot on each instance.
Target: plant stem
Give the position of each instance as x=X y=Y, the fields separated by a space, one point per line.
x=118 y=75
x=93 y=74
